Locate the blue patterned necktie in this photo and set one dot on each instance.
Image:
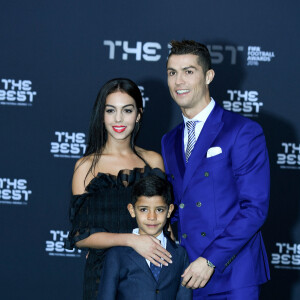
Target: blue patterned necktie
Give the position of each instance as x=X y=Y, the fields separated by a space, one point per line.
x=155 y=270
x=191 y=125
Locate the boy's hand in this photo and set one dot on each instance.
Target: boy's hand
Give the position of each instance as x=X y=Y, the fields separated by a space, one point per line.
x=197 y=274
x=150 y=248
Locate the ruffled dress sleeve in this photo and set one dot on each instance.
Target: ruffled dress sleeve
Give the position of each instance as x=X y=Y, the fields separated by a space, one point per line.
x=83 y=209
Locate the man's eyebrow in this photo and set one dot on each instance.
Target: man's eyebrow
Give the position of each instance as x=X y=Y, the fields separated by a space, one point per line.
x=189 y=67
x=184 y=68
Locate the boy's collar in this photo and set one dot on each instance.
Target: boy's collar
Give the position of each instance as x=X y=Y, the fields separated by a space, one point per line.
x=159 y=237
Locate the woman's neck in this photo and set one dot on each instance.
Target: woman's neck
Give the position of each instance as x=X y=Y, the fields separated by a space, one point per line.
x=117 y=147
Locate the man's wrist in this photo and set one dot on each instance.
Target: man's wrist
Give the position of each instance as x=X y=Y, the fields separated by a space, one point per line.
x=210 y=264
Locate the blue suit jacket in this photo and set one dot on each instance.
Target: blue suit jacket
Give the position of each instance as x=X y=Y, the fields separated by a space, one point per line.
x=126 y=276
x=224 y=198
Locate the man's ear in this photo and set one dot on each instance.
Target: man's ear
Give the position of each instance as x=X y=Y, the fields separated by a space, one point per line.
x=171 y=208
x=131 y=210
x=210 y=74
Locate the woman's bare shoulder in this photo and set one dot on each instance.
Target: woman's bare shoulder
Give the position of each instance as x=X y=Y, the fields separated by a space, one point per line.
x=84 y=163
x=153 y=158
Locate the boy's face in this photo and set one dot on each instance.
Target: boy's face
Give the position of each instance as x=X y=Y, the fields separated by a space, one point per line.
x=151 y=214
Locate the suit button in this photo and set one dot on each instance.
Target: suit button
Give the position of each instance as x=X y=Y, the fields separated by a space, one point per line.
x=172 y=176
x=184 y=235
x=157 y=291
x=206 y=174
x=203 y=233
x=181 y=205
x=199 y=204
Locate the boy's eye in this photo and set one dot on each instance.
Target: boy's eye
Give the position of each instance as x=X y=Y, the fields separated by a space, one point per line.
x=189 y=72
x=160 y=210
x=143 y=209
x=171 y=73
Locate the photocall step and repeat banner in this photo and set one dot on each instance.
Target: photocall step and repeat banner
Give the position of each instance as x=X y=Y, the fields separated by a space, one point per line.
x=55 y=56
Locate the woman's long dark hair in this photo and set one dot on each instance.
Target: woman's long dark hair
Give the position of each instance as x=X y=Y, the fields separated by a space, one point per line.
x=97 y=136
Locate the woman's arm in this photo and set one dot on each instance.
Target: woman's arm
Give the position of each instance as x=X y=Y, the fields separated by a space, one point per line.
x=146 y=245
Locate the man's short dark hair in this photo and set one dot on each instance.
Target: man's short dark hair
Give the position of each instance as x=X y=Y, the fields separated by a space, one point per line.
x=150 y=186
x=192 y=47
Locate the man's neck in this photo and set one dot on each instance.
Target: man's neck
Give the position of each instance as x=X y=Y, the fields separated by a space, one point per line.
x=190 y=113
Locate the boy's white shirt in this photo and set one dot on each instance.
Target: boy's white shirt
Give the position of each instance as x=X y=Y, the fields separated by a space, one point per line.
x=161 y=238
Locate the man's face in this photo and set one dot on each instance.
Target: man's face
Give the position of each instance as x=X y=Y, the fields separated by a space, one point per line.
x=151 y=214
x=187 y=83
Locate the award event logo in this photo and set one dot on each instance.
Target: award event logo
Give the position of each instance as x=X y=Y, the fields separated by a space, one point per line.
x=256 y=55
x=14 y=191
x=219 y=53
x=16 y=92
x=154 y=51
x=68 y=145
x=245 y=102
x=290 y=156
x=287 y=256
x=138 y=51
x=55 y=245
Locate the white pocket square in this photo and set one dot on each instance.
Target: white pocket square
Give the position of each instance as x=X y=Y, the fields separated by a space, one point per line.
x=213 y=151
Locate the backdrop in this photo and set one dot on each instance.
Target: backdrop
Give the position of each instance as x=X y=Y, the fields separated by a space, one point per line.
x=55 y=56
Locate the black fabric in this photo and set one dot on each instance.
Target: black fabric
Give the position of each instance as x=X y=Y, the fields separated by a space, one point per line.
x=103 y=208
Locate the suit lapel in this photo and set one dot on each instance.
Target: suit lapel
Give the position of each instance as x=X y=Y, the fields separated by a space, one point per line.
x=209 y=132
x=175 y=154
x=179 y=151
x=141 y=262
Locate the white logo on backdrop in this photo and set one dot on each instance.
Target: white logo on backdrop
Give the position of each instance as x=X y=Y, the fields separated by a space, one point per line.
x=68 y=145
x=287 y=256
x=256 y=55
x=14 y=191
x=138 y=51
x=290 y=157
x=245 y=102
x=152 y=52
x=55 y=245
x=16 y=92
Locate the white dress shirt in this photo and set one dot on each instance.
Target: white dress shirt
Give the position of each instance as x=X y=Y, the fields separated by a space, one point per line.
x=161 y=238
x=201 y=118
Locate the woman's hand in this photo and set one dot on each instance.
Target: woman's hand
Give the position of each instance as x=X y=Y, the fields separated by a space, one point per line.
x=150 y=248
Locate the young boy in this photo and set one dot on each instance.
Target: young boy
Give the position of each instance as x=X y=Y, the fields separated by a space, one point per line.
x=126 y=274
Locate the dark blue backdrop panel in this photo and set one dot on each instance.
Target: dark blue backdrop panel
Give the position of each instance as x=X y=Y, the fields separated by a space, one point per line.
x=54 y=58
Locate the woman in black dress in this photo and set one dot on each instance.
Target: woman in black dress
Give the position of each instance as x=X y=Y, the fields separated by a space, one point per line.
x=103 y=179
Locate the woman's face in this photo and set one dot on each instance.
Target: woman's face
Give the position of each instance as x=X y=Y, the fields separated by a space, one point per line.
x=120 y=115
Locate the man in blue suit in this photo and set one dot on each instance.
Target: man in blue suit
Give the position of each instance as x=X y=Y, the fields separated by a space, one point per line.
x=126 y=274
x=217 y=162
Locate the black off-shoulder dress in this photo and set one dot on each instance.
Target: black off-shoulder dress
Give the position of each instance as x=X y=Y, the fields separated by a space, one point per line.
x=103 y=208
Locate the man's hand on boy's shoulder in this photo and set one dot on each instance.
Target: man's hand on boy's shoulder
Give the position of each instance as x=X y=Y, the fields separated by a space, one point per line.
x=197 y=274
